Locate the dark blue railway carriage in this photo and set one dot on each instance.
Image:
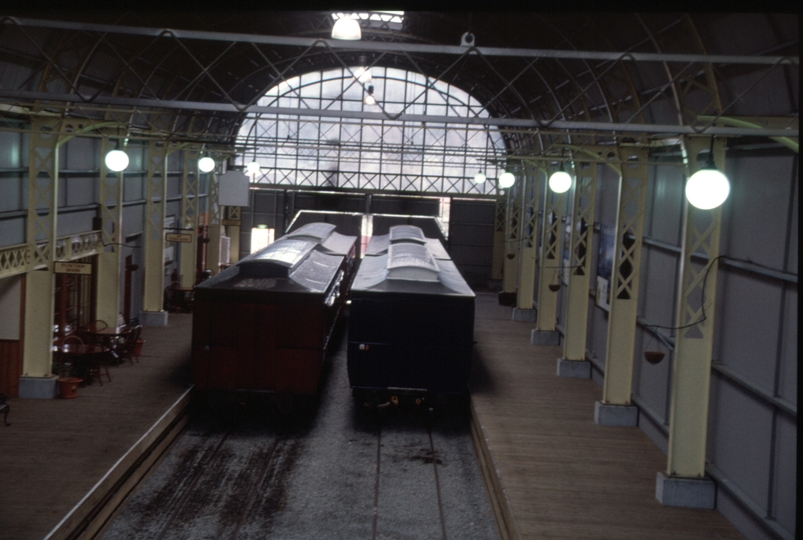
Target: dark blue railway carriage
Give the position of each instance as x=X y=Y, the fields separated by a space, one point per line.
x=411 y=322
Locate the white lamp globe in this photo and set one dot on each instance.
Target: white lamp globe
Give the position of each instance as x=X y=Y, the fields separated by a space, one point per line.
x=560 y=182
x=506 y=180
x=116 y=160
x=479 y=178
x=707 y=189
x=346 y=28
x=253 y=167
x=206 y=164
x=363 y=74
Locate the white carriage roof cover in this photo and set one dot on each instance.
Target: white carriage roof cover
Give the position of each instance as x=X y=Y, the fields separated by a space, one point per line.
x=288 y=253
x=338 y=244
x=406 y=233
x=378 y=245
x=324 y=234
x=312 y=273
x=374 y=275
x=317 y=271
x=411 y=261
x=318 y=231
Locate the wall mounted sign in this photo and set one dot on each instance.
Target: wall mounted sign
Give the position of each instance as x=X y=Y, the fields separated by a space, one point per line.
x=233 y=189
x=185 y=238
x=72 y=268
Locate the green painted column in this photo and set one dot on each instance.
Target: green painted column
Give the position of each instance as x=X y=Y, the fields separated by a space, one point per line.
x=531 y=188
x=155 y=210
x=580 y=256
x=512 y=230
x=616 y=389
x=189 y=217
x=110 y=259
x=691 y=368
x=40 y=256
x=234 y=223
x=498 y=260
x=215 y=213
x=549 y=261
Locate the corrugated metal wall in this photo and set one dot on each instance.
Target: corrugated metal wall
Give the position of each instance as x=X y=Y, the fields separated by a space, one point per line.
x=752 y=413
x=471 y=239
x=78 y=192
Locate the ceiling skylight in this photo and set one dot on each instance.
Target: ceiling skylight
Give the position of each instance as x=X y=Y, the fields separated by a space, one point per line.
x=390 y=20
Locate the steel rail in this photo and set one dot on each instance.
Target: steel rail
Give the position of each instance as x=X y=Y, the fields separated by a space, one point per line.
x=194 y=475
x=397 y=47
x=375 y=514
x=664 y=129
x=434 y=454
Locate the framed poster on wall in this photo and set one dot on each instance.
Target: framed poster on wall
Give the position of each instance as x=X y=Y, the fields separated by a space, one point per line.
x=607 y=239
x=567 y=247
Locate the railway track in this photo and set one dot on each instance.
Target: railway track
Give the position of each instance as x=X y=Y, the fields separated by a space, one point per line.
x=223 y=478
x=338 y=472
x=426 y=457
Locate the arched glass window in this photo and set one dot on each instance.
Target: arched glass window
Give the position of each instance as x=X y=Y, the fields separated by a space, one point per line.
x=372 y=154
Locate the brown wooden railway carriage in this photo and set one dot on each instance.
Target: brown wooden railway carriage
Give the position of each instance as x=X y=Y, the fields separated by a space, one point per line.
x=265 y=323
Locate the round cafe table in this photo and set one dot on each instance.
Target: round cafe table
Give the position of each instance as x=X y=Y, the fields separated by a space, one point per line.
x=81 y=357
x=111 y=338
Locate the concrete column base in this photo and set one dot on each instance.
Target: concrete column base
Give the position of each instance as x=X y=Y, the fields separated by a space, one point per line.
x=507 y=298
x=523 y=315
x=607 y=414
x=575 y=369
x=545 y=337
x=685 y=492
x=153 y=318
x=38 y=387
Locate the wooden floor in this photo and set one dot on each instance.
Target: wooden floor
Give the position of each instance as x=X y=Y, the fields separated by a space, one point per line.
x=562 y=475
x=56 y=450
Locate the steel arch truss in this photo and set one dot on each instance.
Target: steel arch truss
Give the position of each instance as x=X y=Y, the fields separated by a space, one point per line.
x=201 y=86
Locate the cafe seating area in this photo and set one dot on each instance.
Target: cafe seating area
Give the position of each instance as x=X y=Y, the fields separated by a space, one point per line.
x=57 y=450
x=178 y=299
x=85 y=355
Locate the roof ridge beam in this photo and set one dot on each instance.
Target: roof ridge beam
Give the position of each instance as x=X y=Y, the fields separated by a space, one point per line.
x=400 y=47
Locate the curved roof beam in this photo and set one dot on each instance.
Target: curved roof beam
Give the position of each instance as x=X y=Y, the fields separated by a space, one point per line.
x=397 y=47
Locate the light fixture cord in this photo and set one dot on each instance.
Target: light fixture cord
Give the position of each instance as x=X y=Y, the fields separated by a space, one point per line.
x=709 y=163
x=702 y=304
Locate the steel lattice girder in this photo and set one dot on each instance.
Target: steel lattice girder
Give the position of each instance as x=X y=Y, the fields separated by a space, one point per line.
x=399 y=47
x=605 y=127
x=334 y=48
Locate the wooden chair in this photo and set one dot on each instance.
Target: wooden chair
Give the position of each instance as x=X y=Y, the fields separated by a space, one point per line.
x=129 y=346
x=97 y=365
x=97 y=326
x=72 y=339
x=91 y=364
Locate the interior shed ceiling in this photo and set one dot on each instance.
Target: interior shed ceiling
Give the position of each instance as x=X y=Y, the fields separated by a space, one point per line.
x=198 y=75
